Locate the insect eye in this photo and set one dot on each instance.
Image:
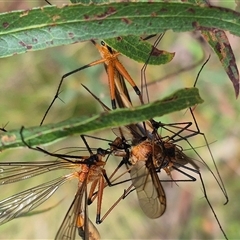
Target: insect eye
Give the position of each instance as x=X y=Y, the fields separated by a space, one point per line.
x=103 y=43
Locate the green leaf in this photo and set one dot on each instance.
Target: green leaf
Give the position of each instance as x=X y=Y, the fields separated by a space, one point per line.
x=90 y=1
x=139 y=50
x=181 y=99
x=220 y=44
x=49 y=26
x=218 y=40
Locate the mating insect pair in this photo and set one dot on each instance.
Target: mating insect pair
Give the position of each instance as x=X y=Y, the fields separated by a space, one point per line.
x=145 y=158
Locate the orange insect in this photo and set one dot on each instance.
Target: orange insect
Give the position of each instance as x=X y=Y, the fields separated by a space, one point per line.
x=76 y=217
x=113 y=68
x=88 y=169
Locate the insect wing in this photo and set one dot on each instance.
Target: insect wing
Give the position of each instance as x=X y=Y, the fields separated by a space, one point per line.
x=26 y=201
x=16 y=171
x=152 y=199
x=121 y=92
x=159 y=188
x=68 y=227
x=75 y=219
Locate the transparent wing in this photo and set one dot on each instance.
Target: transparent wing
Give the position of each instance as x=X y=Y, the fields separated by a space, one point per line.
x=68 y=227
x=159 y=188
x=150 y=192
x=75 y=219
x=16 y=171
x=86 y=228
x=26 y=201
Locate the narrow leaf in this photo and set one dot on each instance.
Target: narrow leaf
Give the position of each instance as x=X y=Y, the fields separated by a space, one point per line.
x=220 y=44
x=49 y=26
x=218 y=40
x=181 y=99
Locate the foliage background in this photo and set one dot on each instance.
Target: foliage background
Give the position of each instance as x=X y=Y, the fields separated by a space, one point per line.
x=28 y=83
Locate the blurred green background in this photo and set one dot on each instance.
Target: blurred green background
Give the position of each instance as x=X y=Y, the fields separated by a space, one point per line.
x=28 y=84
